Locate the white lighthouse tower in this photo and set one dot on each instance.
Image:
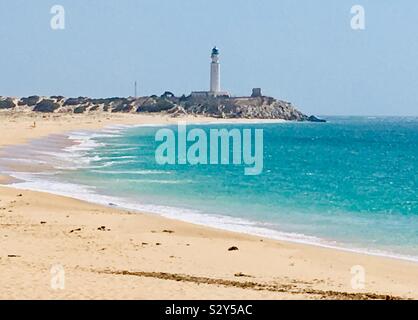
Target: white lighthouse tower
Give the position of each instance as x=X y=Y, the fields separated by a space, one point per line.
x=215 y=73
x=215 y=79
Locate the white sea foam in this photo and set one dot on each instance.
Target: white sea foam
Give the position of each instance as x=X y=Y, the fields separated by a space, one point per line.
x=77 y=155
x=111 y=163
x=121 y=146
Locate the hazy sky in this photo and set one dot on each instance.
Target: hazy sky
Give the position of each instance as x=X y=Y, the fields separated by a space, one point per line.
x=302 y=51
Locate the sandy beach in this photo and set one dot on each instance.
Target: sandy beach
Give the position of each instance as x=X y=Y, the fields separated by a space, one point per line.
x=108 y=253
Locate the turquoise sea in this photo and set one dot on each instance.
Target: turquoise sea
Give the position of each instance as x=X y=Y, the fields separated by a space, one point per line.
x=350 y=183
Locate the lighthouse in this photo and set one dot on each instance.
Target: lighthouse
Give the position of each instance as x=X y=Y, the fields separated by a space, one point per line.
x=215 y=74
x=215 y=79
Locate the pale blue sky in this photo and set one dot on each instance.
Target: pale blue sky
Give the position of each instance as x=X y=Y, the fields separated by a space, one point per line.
x=302 y=51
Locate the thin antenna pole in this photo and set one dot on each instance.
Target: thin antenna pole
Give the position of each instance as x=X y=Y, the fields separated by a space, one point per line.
x=136 y=90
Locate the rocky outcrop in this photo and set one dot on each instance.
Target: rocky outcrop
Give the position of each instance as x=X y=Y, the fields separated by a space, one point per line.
x=315 y=119
x=257 y=107
x=247 y=107
x=223 y=107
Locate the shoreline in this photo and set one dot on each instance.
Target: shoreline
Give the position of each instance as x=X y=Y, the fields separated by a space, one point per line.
x=232 y=224
x=72 y=139
x=265 y=233
x=331 y=253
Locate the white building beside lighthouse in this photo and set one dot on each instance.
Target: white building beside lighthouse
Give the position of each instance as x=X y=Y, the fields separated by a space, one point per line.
x=215 y=78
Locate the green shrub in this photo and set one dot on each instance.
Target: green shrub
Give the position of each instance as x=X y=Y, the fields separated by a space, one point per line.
x=46 y=106
x=29 y=101
x=7 y=104
x=80 y=109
